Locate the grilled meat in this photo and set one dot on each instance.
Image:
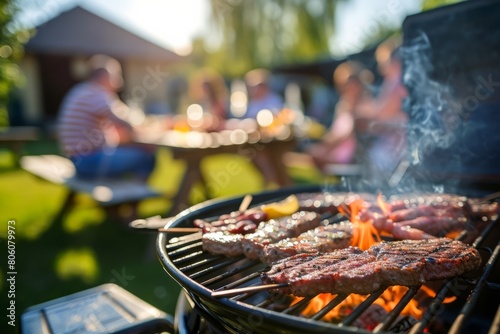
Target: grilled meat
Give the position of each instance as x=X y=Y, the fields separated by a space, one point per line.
x=236 y=222
x=328 y=202
x=276 y=230
x=429 y=199
x=437 y=226
x=289 y=269
x=407 y=263
x=321 y=239
x=426 y=211
x=468 y=206
x=481 y=210
x=428 y=215
x=231 y=244
x=223 y=243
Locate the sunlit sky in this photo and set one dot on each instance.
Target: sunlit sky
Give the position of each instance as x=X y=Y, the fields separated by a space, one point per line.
x=173 y=24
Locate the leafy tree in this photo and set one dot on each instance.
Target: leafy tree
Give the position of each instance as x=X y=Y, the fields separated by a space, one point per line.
x=430 y=4
x=266 y=32
x=11 y=50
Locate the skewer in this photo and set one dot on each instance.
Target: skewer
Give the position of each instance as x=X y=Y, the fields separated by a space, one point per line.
x=156 y=223
x=234 y=292
x=245 y=203
x=180 y=229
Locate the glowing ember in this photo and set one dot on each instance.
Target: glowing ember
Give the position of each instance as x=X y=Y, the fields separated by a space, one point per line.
x=431 y=293
x=387 y=301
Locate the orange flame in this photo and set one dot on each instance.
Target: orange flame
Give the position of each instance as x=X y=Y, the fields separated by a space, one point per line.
x=431 y=293
x=387 y=301
x=364 y=234
x=383 y=205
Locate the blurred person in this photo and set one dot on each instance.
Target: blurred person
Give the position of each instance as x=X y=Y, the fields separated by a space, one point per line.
x=91 y=132
x=339 y=144
x=260 y=94
x=322 y=102
x=260 y=97
x=384 y=119
x=208 y=89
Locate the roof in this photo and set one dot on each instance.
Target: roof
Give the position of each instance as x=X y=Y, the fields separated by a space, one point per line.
x=80 y=32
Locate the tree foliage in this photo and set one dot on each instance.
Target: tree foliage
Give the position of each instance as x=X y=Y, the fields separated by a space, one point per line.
x=267 y=32
x=430 y=4
x=11 y=50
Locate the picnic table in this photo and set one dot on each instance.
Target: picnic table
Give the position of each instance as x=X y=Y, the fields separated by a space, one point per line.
x=194 y=146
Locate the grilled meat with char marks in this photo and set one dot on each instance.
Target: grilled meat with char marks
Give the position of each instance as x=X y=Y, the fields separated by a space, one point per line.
x=321 y=239
x=328 y=202
x=407 y=263
x=235 y=222
x=223 y=243
x=252 y=245
x=278 y=229
x=432 y=214
x=289 y=269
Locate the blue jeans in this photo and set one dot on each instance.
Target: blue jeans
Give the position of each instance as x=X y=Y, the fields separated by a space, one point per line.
x=116 y=162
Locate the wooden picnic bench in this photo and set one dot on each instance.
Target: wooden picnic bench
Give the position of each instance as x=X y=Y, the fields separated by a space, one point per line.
x=107 y=193
x=15 y=137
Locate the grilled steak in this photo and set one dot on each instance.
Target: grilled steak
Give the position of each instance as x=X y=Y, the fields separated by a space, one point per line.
x=275 y=230
x=407 y=263
x=453 y=204
x=231 y=244
x=222 y=243
x=429 y=215
x=437 y=225
x=428 y=199
x=426 y=211
x=328 y=202
x=321 y=239
x=294 y=267
x=236 y=222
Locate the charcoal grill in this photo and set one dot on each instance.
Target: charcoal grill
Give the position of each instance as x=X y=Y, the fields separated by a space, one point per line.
x=201 y=273
x=453 y=34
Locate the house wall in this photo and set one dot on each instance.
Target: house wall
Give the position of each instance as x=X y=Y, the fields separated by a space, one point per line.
x=146 y=85
x=30 y=93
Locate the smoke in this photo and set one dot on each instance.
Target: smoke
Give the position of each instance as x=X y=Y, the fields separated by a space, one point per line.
x=433 y=110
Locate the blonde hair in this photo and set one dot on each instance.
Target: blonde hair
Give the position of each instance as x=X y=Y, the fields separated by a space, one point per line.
x=257 y=77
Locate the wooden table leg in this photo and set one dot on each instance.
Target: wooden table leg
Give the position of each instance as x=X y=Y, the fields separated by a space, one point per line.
x=274 y=153
x=191 y=176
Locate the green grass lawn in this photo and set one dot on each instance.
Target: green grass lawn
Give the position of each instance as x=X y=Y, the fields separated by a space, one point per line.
x=87 y=249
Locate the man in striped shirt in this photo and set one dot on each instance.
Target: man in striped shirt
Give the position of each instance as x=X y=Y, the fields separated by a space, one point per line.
x=93 y=131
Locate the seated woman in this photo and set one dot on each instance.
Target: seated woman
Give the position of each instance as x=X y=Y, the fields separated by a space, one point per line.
x=208 y=89
x=339 y=144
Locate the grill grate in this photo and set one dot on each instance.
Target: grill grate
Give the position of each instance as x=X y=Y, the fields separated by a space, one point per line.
x=215 y=272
